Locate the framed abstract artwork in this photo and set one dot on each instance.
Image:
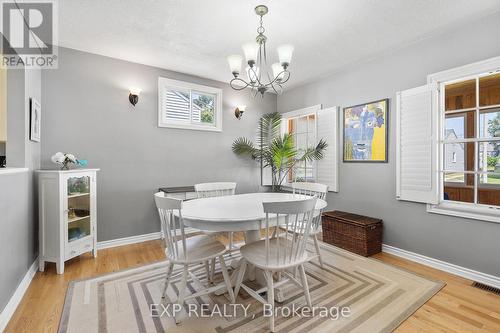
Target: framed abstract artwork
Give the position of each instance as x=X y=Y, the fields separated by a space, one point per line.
x=35 y=120
x=365 y=132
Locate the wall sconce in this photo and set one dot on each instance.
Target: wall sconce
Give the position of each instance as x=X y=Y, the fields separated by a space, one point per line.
x=133 y=96
x=238 y=112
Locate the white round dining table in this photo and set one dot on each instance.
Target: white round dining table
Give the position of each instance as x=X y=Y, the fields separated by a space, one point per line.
x=241 y=212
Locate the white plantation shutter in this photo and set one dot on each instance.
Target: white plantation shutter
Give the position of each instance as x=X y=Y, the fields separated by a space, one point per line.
x=417 y=149
x=327 y=129
x=176 y=105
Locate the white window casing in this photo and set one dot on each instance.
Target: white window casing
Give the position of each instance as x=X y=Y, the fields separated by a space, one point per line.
x=456 y=208
x=327 y=129
x=298 y=114
x=417 y=122
x=175 y=110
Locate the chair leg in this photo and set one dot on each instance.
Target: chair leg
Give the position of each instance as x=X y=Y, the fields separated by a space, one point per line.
x=170 y=269
x=212 y=271
x=227 y=279
x=182 y=290
x=207 y=271
x=270 y=297
x=239 y=278
x=231 y=243
x=316 y=244
x=303 y=277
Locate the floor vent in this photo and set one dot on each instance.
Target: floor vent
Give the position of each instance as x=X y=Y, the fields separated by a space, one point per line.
x=485 y=287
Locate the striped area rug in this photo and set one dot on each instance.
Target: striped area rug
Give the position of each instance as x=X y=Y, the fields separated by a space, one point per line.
x=351 y=294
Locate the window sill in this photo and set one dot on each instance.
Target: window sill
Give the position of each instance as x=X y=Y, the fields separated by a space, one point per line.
x=191 y=127
x=486 y=214
x=8 y=171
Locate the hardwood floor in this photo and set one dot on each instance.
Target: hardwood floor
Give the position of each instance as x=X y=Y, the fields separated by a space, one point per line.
x=458 y=307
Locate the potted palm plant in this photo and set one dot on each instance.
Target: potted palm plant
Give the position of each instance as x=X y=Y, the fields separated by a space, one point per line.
x=275 y=150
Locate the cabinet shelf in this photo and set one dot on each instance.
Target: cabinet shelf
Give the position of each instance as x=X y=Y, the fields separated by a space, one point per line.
x=76 y=195
x=77 y=218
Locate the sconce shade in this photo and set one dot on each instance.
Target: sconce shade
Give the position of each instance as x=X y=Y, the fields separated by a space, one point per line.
x=234 y=62
x=285 y=54
x=135 y=91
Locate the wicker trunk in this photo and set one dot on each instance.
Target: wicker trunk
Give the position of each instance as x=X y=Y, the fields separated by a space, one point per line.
x=355 y=233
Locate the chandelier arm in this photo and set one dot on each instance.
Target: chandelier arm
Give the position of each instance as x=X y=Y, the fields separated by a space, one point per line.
x=287 y=76
x=265 y=62
x=272 y=86
x=279 y=85
x=275 y=80
x=254 y=92
x=256 y=77
x=246 y=84
x=262 y=60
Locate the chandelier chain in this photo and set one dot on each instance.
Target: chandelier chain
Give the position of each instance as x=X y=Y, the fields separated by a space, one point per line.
x=261 y=29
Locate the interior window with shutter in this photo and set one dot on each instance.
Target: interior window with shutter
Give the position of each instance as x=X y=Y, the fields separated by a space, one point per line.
x=417 y=150
x=189 y=106
x=308 y=126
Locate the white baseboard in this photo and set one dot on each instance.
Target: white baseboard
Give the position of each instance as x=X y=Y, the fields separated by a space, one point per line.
x=128 y=240
x=467 y=273
x=137 y=239
x=14 y=301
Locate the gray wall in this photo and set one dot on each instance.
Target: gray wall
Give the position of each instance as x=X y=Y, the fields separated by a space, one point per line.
x=86 y=111
x=18 y=205
x=370 y=189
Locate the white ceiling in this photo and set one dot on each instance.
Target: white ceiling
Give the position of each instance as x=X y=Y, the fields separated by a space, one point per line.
x=195 y=36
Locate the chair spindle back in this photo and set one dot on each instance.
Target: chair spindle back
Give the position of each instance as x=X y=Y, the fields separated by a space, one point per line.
x=311 y=189
x=293 y=224
x=172 y=226
x=207 y=190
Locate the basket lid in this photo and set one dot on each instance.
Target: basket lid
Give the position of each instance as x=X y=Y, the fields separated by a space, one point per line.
x=352 y=218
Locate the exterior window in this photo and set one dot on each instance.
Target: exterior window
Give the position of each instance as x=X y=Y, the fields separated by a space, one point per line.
x=189 y=106
x=303 y=129
x=471 y=140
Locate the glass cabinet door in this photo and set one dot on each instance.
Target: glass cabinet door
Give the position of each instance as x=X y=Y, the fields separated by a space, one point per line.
x=79 y=222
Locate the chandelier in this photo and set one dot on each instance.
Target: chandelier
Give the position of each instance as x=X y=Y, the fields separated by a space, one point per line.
x=259 y=77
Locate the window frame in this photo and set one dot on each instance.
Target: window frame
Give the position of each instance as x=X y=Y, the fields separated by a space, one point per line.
x=305 y=112
x=165 y=83
x=484 y=212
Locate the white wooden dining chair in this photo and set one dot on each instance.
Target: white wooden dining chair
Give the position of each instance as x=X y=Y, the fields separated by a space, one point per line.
x=282 y=250
x=191 y=253
x=219 y=189
x=318 y=190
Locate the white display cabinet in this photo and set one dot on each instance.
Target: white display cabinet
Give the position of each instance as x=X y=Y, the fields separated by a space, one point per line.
x=68 y=215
